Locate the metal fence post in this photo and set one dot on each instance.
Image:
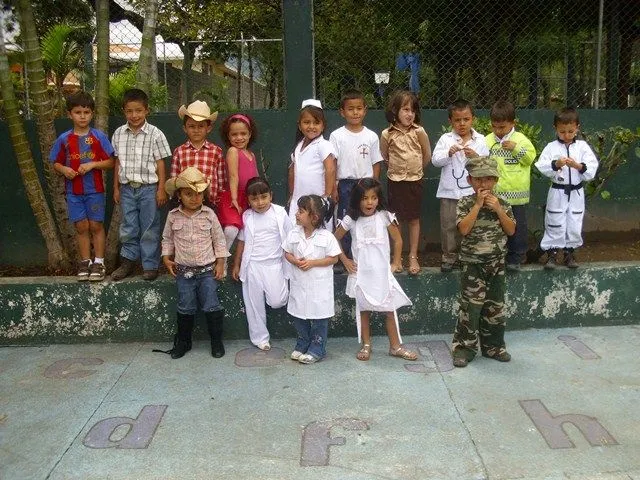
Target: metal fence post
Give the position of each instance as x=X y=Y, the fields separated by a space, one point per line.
x=299 y=57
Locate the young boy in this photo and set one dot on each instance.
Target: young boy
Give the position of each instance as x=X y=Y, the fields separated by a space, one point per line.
x=357 y=151
x=484 y=221
x=194 y=251
x=138 y=186
x=569 y=163
x=514 y=154
x=451 y=154
x=197 y=151
x=80 y=154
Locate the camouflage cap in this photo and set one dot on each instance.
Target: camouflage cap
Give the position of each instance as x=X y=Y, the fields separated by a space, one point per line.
x=482 y=167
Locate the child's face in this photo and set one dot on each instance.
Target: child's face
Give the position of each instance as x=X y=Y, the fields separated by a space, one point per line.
x=567 y=131
x=310 y=126
x=354 y=111
x=136 y=114
x=461 y=121
x=81 y=117
x=261 y=202
x=500 y=129
x=406 y=115
x=305 y=218
x=197 y=131
x=239 y=135
x=190 y=199
x=482 y=183
x=369 y=202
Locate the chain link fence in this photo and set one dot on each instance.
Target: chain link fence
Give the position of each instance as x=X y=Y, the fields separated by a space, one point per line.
x=537 y=54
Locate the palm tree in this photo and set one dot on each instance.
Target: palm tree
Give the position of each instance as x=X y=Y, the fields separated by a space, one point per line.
x=56 y=254
x=44 y=121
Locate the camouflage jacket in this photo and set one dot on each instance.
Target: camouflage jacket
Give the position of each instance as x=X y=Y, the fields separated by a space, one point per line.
x=486 y=241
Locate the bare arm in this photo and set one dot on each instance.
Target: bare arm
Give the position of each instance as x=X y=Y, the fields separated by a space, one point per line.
x=425 y=146
x=237 y=260
x=329 y=175
x=232 y=168
x=116 y=181
x=161 y=171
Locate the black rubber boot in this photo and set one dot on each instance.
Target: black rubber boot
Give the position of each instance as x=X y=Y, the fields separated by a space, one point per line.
x=214 y=326
x=182 y=340
x=569 y=258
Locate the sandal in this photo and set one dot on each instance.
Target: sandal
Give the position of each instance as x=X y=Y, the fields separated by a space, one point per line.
x=398 y=269
x=364 y=353
x=414 y=265
x=403 y=353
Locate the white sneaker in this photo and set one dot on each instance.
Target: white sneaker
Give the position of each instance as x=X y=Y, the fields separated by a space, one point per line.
x=295 y=355
x=307 y=358
x=264 y=346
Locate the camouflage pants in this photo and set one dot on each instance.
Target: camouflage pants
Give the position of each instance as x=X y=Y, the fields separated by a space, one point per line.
x=481 y=309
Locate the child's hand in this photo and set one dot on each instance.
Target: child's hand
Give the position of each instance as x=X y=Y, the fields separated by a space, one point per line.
x=235 y=272
x=218 y=272
x=470 y=152
x=161 y=196
x=508 y=144
x=491 y=201
x=116 y=196
x=236 y=205
x=455 y=149
x=573 y=164
x=305 y=264
x=170 y=264
x=85 y=168
x=69 y=173
x=481 y=196
x=350 y=266
x=561 y=162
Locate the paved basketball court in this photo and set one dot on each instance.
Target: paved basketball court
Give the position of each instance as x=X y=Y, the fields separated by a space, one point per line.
x=566 y=407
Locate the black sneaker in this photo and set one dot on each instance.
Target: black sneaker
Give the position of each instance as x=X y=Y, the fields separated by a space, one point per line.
x=97 y=272
x=83 y=270
x=569 y=259
x=552 y=260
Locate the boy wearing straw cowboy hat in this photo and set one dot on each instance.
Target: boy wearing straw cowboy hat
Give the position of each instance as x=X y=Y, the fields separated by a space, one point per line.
x=194 y=251
x=197 y=151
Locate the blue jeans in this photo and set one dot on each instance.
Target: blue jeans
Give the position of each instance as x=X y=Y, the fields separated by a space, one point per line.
x=199 y=290
x=312 y=336
x=140 y=228
x=345 y=187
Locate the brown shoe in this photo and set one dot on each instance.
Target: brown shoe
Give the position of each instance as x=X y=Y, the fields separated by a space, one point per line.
x=96 y=272
x=150 y=275
x=83 y=270
x=124 y=270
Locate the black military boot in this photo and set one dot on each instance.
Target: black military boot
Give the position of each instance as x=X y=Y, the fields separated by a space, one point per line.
x=552 y=259
x=182 y=339
x=214 y=326
x=569 y=258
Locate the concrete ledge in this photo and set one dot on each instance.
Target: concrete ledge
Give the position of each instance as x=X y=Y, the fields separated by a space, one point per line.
x=60 y=310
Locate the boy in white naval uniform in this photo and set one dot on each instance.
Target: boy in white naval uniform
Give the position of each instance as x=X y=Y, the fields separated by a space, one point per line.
x=569 y=163
x=259 y=261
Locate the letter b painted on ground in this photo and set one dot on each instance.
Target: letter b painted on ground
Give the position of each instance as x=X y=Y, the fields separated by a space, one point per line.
x=139 y=434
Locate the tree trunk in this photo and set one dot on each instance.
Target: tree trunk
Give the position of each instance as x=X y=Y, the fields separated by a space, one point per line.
x=44 y=121
x=147 y=47
x=56 y=254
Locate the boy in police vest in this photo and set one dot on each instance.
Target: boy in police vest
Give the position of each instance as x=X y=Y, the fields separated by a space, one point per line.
x=514 y=154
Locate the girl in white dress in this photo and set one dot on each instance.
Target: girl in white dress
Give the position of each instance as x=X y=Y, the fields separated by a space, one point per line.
x=259 y=260
x=371 y=281
x=312 y=170
x=312 y=251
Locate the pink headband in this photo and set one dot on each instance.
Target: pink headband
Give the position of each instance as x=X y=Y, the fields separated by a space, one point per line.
x=242 y=118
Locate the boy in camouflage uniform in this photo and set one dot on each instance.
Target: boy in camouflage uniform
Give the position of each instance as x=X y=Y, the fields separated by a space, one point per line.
x=484 y=221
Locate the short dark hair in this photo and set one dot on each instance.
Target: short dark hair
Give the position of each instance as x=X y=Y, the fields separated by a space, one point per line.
x=566 y=115
x=318 y=206
x=352 y=94
x=135 y=95
x=398 y=99
x=80 y=99
x=460 y=104
x=257 y=186
x=238 y=117
x=358 y=192
x=502 y=111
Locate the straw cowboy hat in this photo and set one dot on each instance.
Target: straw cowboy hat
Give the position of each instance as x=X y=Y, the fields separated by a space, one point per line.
x=199 y=111
x=191 y=178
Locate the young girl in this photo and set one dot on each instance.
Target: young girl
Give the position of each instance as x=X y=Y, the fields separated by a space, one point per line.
x=371 y=281
x=194 y=252
x=406 y=150
x=259 y=259
x=313 y=164
x=238 y=132
x=312 y=251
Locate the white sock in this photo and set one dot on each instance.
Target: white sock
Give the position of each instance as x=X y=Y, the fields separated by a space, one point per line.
x=230 y=234
x=98 y=260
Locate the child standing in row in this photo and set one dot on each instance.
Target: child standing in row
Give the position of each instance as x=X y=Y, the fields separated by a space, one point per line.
x=406 y=150
x=238 y=132
x=313 y=164
x=371 y=281
x=514 y=154
x=80 y=154
x=194 y=252
x=312 y=251
x=138 y=186
x=451 y=154
x=357 y=151
x=484 y=221
x=569 y=163
x=259 y=259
